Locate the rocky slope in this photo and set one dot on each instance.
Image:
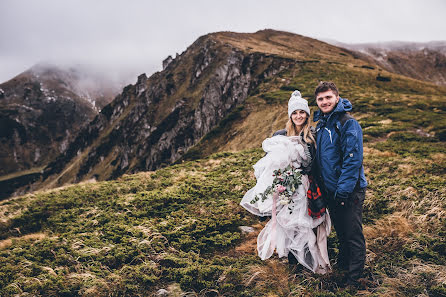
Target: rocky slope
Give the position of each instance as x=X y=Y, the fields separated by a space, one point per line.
x=38 y=113
x=423 y=61
x=203 y=92
x=41 y=110
x=157 y=120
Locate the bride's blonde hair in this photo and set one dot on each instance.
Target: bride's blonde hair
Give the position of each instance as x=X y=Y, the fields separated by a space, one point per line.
x=291 y=130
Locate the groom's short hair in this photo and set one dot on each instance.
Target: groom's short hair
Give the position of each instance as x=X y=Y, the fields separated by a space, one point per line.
x=324 y=86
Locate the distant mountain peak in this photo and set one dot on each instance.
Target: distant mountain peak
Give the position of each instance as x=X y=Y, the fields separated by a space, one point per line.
x=420 y=60
x=42 y=109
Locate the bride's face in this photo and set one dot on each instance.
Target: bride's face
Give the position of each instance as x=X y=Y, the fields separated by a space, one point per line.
x=299 y=117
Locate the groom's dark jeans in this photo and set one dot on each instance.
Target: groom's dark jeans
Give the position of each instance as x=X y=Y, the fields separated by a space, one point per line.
x=347 y=220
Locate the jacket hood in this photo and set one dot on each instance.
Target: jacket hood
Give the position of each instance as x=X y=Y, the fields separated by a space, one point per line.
x=342 y=106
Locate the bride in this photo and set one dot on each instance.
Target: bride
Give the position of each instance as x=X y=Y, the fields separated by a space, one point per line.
x=291 y=231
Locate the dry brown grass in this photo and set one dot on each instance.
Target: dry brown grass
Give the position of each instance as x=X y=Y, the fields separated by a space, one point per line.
x=212 y=163
x=409 y=192
x=388 y=234
x=47 y=190
x=369 y=152
x=386 y=122
x=427 y=213
x=439 y=157
x=6 y=243
x=407 y=169
x=417 y=216
x=284 y=44
x=271 y=275
x=359 y=116
x=249 y=243
x=14 y=206
x=416 y=274
x=183 y=174
x=251 y=131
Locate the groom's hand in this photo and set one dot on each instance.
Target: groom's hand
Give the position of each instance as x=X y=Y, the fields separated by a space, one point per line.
x=342 y=198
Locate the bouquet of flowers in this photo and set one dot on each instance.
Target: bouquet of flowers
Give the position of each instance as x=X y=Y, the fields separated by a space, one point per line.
x=285 y=183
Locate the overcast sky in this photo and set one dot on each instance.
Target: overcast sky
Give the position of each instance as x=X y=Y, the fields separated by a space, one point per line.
x=134 y=36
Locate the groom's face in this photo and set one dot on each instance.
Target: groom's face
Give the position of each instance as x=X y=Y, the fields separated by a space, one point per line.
x=326 y=101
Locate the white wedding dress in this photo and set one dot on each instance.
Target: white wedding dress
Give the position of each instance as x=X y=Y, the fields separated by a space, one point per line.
x=295 y=232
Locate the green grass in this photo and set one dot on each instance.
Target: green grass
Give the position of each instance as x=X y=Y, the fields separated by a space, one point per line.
x=133 y=234
x=178 y=226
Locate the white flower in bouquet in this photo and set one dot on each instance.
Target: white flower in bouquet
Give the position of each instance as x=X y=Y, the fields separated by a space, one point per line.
x=284 y=201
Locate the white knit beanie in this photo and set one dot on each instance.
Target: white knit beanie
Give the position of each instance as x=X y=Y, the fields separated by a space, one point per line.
x=297 y=102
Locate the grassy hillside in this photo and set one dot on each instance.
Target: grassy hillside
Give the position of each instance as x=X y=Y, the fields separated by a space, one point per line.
x=402 y=105
x=178 y=228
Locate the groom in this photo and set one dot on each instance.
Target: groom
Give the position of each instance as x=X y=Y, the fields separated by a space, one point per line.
x=339 y=159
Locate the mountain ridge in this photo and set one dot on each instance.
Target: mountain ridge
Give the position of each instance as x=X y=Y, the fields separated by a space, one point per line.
x=423 y=61
x=159 y=119
x=217 y=84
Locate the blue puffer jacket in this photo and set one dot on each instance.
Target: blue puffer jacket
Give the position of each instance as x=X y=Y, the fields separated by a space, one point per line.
x=339 y=157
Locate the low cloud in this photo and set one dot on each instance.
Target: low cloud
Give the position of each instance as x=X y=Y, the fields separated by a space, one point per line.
x=126 y=38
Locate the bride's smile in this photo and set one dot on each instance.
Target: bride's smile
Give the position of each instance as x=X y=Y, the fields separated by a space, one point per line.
x=299 y=117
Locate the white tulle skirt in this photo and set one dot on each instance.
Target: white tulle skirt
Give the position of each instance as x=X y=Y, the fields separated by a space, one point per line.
x=291 y=229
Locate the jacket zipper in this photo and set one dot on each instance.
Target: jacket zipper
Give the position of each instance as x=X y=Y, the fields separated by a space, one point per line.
x=329 y=133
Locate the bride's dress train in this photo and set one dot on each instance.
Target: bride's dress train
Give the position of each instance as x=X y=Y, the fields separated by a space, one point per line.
x=290 y=229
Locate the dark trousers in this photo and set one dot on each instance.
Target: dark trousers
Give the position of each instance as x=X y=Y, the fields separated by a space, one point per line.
x=347 y=220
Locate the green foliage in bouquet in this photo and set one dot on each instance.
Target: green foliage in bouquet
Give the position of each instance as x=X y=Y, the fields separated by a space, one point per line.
x=285 y=183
